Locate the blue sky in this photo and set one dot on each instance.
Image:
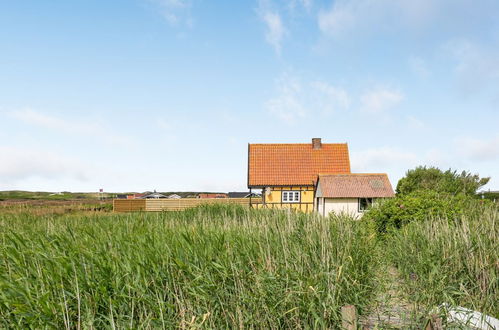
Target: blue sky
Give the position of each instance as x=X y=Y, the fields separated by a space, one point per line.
x=136 y=95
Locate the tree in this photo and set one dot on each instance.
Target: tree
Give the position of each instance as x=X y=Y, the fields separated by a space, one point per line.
x=448 y=182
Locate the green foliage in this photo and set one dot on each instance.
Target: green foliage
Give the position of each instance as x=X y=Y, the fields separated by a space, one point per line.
x=432 y=178
x=418 y=206
x=450 y=262
x=490 y=195
x=43 y=195
x=217 y=266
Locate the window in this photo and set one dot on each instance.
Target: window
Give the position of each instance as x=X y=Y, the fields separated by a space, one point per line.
x=365 y=203
x=290 y=196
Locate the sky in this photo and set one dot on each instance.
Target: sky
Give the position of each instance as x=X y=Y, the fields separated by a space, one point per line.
x=136 y=95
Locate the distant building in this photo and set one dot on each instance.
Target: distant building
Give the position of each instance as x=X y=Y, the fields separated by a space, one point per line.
x=174 y=196
x=138 y=196
x=154 y=195
x=243 y=194
x=212 y=195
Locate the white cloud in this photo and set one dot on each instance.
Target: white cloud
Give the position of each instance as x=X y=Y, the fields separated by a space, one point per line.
x=288 y=105
x=79 y=127
x=370 y=16
x=419 y=67
x=379 y=100
x=176 y=12
x=381 y=159
x=396 y=161
x=479 y=149
x=330 y=97
x=415 y=123
x=276 y=31
x=163 y=124
x=307 y=4
x=476 y=67
x=341 y=17
x=297 y=99
x=19 y=164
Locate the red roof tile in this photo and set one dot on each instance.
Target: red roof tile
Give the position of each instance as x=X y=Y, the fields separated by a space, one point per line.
x=294 y=164
x=355 y=185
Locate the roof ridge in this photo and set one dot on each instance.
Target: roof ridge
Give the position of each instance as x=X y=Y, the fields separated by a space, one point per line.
x=305 y=144
x=344 y=174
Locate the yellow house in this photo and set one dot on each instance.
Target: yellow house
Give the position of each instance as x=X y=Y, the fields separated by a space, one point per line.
x=287 y=173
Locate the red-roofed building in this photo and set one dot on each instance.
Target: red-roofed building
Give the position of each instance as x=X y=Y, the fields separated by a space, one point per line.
x=212 y=195
x=288 y=176
x=287 y=173
x=351 y=193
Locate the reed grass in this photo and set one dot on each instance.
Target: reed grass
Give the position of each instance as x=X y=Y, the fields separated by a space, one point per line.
x=215 y=267
x=454 y=262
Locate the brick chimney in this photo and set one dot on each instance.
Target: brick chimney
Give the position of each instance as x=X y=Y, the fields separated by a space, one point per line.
x=316 y=143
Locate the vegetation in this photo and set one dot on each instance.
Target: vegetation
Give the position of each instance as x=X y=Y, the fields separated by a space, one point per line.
x=434 y=179
x=48 y=196
x=490 y=195
x=220 y=266
x=450 y=262
x=428 y=192
x=225 y=266
x=418 y=206
x=66 y=195
x=442 y=240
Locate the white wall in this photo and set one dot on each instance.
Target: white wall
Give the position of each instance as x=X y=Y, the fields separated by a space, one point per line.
x=348 y=206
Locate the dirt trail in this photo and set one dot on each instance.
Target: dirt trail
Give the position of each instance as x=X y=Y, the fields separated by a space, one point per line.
x=391 y=309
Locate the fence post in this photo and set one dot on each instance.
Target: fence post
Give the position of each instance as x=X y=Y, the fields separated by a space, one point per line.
x=349 y=317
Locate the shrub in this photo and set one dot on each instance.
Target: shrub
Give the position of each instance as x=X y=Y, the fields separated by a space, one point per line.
x=448 y=182
x=418 y=206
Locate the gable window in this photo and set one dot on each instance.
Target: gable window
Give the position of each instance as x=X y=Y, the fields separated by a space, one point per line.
x=365 y=203
x=290 y=196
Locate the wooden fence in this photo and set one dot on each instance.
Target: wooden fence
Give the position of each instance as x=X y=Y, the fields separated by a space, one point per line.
x=131 y=205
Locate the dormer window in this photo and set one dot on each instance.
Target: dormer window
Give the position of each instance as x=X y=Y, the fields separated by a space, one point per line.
x=290 y=196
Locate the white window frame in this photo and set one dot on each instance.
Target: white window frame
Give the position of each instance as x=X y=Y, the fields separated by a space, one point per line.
x=290 y=196
x=369 y=204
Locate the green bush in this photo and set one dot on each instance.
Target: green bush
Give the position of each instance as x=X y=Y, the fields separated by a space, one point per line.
x=433 y=178
x=418 y=206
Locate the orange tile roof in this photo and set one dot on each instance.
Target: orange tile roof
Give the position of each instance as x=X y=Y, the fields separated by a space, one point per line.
x=355 y=185
x=294 y=164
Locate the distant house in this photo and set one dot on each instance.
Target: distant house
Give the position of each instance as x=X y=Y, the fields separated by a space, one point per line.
x=212 y=195
x=243 y=194
x=153 y=195
x=350 y=194
x=138 y=196
x=174 y=196
x=311 y=177
x=121 y=196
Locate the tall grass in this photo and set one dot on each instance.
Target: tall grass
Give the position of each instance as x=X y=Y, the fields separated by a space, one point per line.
x=455 y=262
x=216 y=266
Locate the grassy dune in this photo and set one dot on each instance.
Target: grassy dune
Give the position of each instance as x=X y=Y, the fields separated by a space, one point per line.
x=453 y=262
x=212 y=266
x=230 y=267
